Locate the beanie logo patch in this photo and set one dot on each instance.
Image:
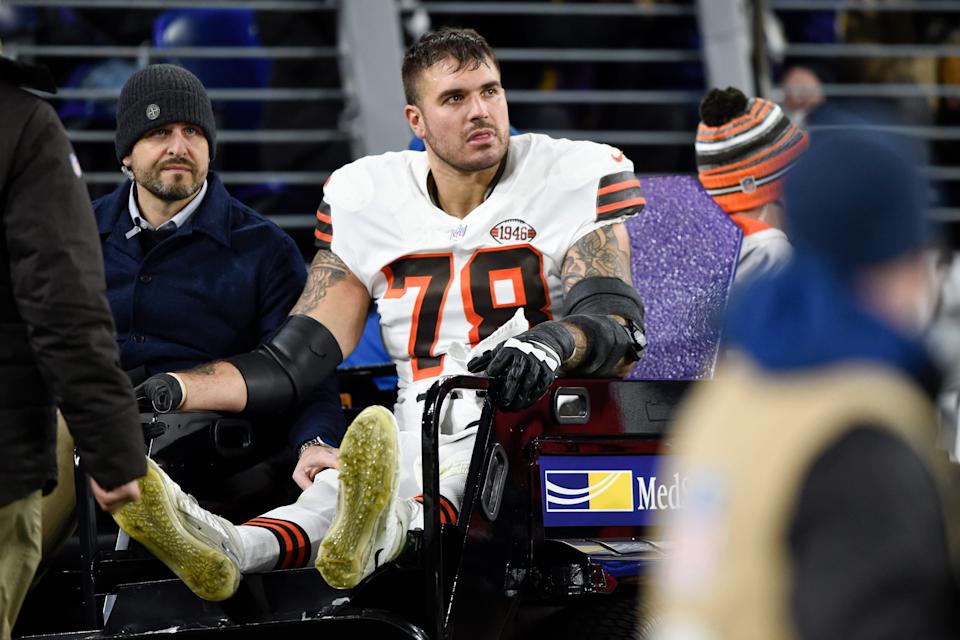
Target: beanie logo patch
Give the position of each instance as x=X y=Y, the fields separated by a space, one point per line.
x=153 y=111
x=748 y=184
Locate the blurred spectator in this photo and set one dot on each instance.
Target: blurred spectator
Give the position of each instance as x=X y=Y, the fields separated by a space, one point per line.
x=802 y=93
x=744 y=150
x=816 y=505
x=888 y=27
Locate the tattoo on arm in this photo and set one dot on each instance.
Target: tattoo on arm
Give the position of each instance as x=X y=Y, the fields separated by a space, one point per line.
x=605 y=252
x=326 y=270
x=205 y=369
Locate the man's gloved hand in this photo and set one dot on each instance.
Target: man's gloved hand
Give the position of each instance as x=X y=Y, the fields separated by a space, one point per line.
x=523 y=367
x=162 y=393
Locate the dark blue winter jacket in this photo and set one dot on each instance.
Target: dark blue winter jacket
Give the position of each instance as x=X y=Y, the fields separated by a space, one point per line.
x=218 y=286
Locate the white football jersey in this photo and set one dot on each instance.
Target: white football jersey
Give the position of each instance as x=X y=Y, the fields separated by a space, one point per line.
x=439 y=280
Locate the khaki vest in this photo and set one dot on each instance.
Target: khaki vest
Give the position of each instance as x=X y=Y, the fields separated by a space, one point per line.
x=744 y=444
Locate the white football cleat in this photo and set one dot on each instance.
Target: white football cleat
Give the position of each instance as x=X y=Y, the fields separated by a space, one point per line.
x=370 y=526
x=203 y=549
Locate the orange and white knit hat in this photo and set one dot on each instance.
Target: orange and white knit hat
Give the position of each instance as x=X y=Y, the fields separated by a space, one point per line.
x=744 y=149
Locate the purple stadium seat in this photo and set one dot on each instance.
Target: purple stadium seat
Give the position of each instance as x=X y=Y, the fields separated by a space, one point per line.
x=684 y=254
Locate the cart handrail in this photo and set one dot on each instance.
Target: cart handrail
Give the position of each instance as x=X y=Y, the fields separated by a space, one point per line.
x=432 y=551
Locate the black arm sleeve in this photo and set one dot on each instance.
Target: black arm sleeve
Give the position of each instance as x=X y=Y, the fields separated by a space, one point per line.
x=294 y=362
x=869 y=546
x=58 y=282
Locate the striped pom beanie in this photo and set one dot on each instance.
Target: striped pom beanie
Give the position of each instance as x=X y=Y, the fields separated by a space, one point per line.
x=744 y=149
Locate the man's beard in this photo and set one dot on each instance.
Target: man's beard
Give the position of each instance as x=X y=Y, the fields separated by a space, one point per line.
x=478 y=165
x=152 y=180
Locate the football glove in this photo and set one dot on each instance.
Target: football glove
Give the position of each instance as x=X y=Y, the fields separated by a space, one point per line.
x=161 y=393
x=522 y=368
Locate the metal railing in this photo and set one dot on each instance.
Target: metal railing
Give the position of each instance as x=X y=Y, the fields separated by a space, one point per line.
x=258 y=5
x=611 y=9
x=617 y=56
x=822 y=53
x=893 y=91
x=603 y=96
x=149 y=54
x=872 y=50
x=867 y=5
x=286 y=136
x=311 y=178
x=217 y=95
x=307 y=140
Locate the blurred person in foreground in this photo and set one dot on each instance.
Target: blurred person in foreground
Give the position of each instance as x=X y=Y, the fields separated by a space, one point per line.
x=745 y=147
x=57 y=344
x=816 y=505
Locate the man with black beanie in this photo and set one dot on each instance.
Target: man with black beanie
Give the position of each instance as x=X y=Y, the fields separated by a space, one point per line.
x=57 y=344
x=194 y=275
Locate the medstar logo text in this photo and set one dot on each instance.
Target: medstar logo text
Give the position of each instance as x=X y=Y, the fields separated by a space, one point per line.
x=657 y=495
x=631 y=490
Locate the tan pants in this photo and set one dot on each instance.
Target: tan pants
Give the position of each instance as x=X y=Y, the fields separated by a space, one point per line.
x=19 y=556
x=59 y=517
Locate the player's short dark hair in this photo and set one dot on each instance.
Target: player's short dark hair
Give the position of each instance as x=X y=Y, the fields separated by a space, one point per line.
x=466 y=46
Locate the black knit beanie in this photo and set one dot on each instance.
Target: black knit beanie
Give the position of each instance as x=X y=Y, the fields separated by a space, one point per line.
x=157 y=95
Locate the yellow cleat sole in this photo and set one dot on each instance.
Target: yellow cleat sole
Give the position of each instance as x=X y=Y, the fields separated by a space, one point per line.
x=368 y=462
x=152 y=522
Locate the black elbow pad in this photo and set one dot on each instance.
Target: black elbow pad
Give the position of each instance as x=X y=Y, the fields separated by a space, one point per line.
x=281 y=372
x=606 y=296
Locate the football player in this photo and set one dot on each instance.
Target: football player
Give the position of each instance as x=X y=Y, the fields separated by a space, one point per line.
x=485 y=253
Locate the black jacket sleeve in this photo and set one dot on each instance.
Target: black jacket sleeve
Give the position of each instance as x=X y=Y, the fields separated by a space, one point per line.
x=869 y=546
x=58 y=283
x=321 y=415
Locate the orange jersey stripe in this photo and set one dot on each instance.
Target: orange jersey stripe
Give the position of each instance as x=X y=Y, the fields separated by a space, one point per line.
x=323 y=217
x=618 y=186
x=319 y=235
x=623 y=204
